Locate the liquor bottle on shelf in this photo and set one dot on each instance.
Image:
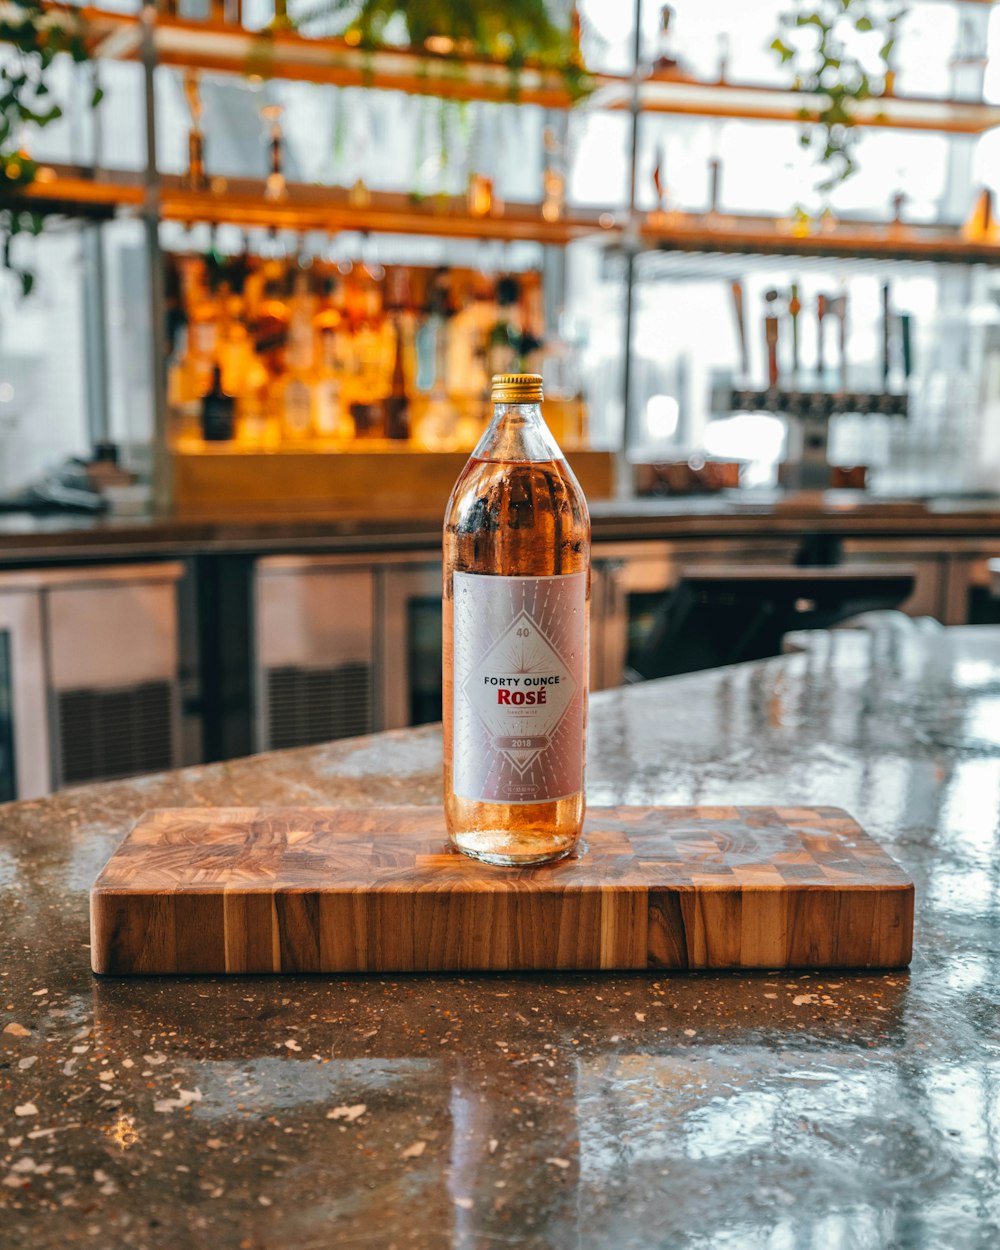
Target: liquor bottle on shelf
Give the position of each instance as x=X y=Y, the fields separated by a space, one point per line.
x=505 y=336
x=329 y=315
x=253 y=427
x=301 y=323
x=397 y=405
x=195 y=179
x=217 y=412
x=516 y=614
x=275 y=187
x=665 y=59
x=296 y=407
x=204 y=314
x=436 y=429
x=272 y=320
x=479 y=195
x=553 y=178
x=185 y=391
x=331 y=419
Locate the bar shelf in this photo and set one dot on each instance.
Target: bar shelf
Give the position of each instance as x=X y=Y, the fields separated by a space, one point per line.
x=286 y=54
x=772 y=236
x=330 y=209
x=678 y=95
x=67 y=190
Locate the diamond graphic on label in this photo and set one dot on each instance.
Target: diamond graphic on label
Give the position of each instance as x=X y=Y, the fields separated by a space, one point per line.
x=520 y=690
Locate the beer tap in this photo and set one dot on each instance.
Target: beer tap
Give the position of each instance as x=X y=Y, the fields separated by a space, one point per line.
x=658 y=184
x=821 y=309
x=741 y=328
x=906 y=342
x=838 y=307
x=794 y=309
x=771 y=338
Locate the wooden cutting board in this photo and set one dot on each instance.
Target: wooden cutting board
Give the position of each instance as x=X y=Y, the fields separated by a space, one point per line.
x=213 y=890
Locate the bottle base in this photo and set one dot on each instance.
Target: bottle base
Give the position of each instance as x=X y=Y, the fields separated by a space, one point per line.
x=500 y=848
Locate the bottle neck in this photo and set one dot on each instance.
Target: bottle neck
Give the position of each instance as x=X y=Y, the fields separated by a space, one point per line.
x=517 y=432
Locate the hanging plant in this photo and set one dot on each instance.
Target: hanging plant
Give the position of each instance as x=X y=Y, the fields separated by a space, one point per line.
x=841 y=51
x=516 y=33
x=36 y=33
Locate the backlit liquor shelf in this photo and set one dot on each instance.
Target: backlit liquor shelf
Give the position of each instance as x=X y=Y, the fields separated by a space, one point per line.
x=286 y=54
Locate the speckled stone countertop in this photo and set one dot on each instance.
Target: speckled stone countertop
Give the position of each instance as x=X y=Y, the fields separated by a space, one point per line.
x=695 y=1112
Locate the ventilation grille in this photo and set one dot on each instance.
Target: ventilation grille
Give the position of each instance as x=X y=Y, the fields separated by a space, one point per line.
x=105 y=734
x=310 y=705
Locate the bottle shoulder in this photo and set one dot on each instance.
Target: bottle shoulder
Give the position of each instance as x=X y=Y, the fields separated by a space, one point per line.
x=492 y=487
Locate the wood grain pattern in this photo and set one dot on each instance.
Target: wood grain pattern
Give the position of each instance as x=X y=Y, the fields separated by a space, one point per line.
x=242 y=890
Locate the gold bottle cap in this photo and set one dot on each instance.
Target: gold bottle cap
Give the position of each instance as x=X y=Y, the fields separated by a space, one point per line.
x=517 y=388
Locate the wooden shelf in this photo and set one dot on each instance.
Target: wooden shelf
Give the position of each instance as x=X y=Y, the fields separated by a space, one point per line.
x=770 y=236
x=288 y=55
x=74 y=191
x=684 y=96
x=68 y=190
x=329 y=209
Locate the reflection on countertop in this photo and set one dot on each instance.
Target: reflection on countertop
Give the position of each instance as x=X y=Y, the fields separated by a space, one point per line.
x=633 y=1110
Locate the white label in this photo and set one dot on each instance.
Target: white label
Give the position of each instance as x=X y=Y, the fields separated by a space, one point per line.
x=520 y=687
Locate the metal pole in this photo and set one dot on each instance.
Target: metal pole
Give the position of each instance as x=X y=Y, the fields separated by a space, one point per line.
x=625 y=482
x=95 y=324
x=162 y=476
x=95 y=336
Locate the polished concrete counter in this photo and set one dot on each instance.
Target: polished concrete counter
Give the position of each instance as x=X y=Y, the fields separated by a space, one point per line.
x=27 y=539
x=838 y=1111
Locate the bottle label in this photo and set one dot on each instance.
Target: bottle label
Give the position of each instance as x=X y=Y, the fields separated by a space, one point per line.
x=520 y=687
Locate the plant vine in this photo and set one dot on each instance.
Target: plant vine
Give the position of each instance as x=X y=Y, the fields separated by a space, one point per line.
x=35 y=33
x=517 y=33
x=841 y=51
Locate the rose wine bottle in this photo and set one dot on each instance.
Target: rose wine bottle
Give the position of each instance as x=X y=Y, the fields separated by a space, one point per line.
x=516 y=639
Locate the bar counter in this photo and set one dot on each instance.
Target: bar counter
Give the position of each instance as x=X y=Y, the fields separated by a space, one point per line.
x=29 y=539
x=563 y=1110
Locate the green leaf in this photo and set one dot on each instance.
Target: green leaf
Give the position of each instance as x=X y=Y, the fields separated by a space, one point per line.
x=96 y=97
x=783 y=51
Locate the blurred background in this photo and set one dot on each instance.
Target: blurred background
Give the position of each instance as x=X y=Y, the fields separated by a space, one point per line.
x=260 y=261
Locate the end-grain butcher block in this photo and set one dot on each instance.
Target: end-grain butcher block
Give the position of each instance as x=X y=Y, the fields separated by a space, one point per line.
x=250 y=890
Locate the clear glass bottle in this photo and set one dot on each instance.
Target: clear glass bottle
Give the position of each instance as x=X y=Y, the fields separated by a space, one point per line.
x=516 y=640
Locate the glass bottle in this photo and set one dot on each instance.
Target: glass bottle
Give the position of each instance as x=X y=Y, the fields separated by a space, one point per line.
x=330 y=417
x=516 y=626
x=397 y=405
x=217 y=411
